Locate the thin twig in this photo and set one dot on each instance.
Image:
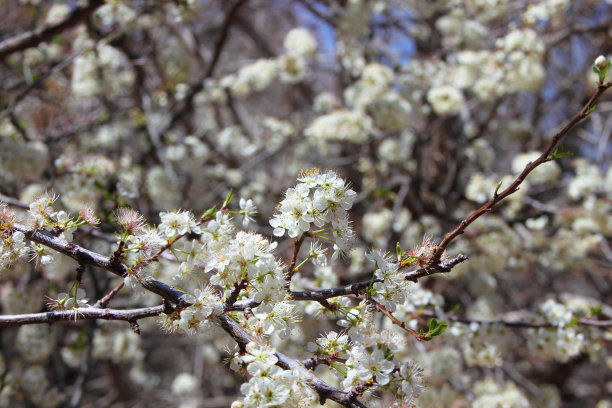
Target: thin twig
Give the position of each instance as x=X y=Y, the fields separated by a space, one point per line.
x=297 y=245
x=107 y=298
x=519 y=324
x=188 y=100
x=394 y=319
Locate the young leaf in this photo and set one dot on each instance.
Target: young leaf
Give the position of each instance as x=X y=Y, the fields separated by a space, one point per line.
x=596 y=311
x=382 y=192
x=601 y=72
x=560 y=152
x=456 y=309
x=228 y=198
x=409 y=260
x=436 y=327
x=210 y=212
x=498 y=187
x=573 y=322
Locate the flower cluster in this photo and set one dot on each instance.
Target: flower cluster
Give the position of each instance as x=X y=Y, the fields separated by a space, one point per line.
x=556 y=343
x=481 y=344
x=257 y=76
x=196 y=318
x=318 y=199
x=270 y=385
x=390 y=286
x=177 y=223
x=342 y=125
x=13 y=249
x=365 y=361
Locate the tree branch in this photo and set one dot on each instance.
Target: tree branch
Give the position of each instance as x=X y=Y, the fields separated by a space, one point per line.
x=520 y=324
x=544 y=157
x=237 y=332
x=394 y=319
x=83 y=313
x=45 y=33
x=325 y=391
x=88 y=257
x=188 y=100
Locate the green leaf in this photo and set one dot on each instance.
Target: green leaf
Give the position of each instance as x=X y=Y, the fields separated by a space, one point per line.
x=560 y=152
x=382 y=192
x=456 y=309
x=210 y=212
x=573 y=322
x=498 y=187
x=602 y=73
x=409 y=260
x=436 y=327
x=228 y=198
x=596 y=311
x=398 y=251
x=370 y=291
x=591 y=109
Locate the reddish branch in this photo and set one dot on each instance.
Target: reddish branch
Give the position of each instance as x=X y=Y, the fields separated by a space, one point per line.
x=44 y=33
x=107 y=298
x=297 y=244
x=497 y=197
x=394 y=319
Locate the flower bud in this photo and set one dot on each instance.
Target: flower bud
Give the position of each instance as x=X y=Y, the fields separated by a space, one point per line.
x=601 y=62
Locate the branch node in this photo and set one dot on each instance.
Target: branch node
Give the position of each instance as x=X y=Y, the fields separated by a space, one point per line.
x=134 y=326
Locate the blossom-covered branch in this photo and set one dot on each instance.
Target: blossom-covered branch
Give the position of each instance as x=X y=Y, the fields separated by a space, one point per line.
x=84 y=256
